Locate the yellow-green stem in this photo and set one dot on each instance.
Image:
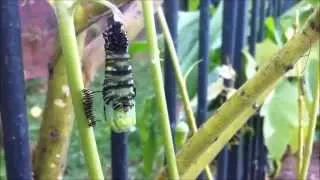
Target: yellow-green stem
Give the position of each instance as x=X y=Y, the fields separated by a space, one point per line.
x=180 y=80
x=312 y=125
x=117 y=14
x=179 y=76
x=159 y=87
x=68 y=43
x=300 y=117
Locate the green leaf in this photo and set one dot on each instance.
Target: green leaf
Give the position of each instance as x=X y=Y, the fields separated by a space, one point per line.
x=181 y=134
x=193 y=5
x=302 y=7
x=2 y=165
x=281 y=123
x=313 y=2
x=150 y=140
x=215 y=82
x=310 y=72
x=190 y=69
x=250 y=64
x=273 y=32
x=188 y=45
x=265 y=51
x=188 y=42
x=138 y=46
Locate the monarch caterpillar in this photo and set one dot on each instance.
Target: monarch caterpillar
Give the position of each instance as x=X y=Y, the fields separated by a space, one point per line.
x=118 y=87
x=87 y=101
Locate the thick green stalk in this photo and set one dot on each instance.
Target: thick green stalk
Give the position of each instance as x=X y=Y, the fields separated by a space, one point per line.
x=245 y=102
x=159 y=88
x=312 y=127
x=56 y=128
x=68 y=43
x=180 y=80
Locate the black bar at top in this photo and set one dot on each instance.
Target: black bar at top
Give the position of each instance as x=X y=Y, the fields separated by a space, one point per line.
x=261 y=20
x=254 y=26
x=184 y=5
x=12 y=94
x=228 y=31
x=241 y=39
x=235 y=158
x=204 y=38
x=171 y=14
x=228 y=41
x=248 y=136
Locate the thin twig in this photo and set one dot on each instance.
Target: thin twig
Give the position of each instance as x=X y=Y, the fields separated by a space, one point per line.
x=312 y=125
x=180 y=80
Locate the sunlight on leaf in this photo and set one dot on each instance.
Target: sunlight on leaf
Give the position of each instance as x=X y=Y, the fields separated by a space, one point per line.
x=281 y=118
x=273 y=32
x=265 y=51
x=250 y=64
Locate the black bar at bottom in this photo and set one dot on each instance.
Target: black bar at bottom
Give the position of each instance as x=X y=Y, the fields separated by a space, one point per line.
x=119 y=156
x=12 y=94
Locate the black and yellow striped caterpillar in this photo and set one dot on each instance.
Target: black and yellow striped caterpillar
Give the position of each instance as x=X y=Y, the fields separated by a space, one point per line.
x=118 y=87
x=87 y=100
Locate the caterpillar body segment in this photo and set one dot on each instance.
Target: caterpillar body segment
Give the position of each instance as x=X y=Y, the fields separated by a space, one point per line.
x=119 y=90
x=87 y=101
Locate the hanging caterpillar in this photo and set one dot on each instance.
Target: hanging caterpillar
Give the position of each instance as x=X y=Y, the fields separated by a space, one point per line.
x=87 y=100
x=118 y=87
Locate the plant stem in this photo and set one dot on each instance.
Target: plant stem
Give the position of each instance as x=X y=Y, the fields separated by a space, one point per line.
x=300 y=117
x=117 y=14
x=159 y=87
x=56 y=120
x=191 y=159
x=312 y=126
x=68 y=43
x=180 y=80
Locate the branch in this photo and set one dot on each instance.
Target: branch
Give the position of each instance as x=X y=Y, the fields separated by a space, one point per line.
x=55 y=128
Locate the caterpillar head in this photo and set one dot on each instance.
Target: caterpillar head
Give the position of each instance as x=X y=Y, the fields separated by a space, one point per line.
x=116 y=40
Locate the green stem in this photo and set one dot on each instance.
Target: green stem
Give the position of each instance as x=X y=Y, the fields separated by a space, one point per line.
x=243 y=103
x=117 y=14
x=68 y=43
x=159 y=88
x=312 y=126
x=180 y=80
x=300 y=116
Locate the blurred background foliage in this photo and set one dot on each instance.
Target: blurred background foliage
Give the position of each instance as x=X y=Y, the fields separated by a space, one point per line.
x=145 y=146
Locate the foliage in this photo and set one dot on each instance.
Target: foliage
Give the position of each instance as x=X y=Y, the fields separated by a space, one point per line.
x=188 y=45
x=280 y=110
x=281 y=119
x=2 y=166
